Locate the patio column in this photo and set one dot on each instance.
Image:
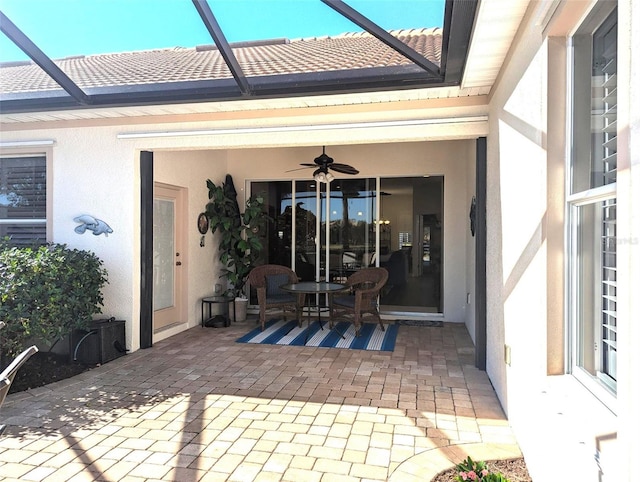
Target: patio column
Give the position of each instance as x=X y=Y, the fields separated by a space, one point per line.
x=481 y=253
x=146 y=249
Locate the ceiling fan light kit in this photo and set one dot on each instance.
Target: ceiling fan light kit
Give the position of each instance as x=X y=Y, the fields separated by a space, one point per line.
x=321 y=176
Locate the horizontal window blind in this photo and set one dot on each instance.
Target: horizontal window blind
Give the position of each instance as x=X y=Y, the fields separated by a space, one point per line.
x=23 y=199
x=606 y=148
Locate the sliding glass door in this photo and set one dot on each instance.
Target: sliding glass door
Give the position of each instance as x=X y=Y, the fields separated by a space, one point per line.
x=334 y=232
x=348 y=210
x=329 y=231
x=411 y=243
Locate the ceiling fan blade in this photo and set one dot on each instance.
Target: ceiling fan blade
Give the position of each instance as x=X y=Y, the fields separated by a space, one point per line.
x=343 y=168
x=306 y=166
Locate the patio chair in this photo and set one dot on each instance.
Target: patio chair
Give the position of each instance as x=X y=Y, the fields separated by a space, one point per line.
x=9 y=373
x=267 y=279
x=361 y=303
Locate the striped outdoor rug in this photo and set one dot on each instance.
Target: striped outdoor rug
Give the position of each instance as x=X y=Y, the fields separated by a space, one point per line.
x=279 y=332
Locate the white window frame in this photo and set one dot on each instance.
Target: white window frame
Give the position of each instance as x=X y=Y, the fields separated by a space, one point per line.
x=593 y=196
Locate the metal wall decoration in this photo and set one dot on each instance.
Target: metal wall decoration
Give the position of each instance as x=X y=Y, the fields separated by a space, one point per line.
x=89 y=223
x=203 y=227
x=203 y=223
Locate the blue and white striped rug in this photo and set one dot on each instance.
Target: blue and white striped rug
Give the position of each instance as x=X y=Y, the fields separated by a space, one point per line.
x=279 y=332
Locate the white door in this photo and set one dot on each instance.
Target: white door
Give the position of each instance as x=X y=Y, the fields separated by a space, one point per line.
x=169 y=266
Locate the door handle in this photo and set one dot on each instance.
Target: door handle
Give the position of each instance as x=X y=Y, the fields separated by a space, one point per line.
x=178 y=263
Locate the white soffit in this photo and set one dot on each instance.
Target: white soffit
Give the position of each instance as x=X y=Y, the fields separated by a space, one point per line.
x=496 y=25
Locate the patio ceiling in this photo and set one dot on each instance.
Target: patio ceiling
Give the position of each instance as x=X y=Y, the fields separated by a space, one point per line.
x=463 y=66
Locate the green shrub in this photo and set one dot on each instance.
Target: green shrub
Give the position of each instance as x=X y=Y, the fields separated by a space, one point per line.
x=45 y=293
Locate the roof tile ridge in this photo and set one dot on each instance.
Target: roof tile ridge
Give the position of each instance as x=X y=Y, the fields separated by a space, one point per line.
x=396 y=33
x=126 y=52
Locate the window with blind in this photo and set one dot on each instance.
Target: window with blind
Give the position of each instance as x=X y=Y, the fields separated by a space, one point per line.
x=23 y=199
x=592 y=200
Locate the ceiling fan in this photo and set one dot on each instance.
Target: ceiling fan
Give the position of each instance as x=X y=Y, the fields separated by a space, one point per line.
x=323 y=163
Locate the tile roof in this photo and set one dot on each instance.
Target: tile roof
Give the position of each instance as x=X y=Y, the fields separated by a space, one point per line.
x=280 y=56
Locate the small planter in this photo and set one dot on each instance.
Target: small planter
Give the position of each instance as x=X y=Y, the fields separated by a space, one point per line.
x=241 y=308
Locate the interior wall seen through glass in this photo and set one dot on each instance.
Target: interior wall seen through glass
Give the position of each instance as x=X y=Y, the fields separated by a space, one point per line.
x=411 y=243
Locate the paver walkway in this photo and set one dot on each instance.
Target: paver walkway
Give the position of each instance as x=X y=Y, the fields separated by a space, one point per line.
x=199 y=406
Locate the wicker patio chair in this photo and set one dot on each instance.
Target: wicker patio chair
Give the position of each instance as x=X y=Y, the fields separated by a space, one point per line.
x=267 y=279
x=362 y=302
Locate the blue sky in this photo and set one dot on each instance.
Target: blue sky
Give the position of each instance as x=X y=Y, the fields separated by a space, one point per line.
x=62 y=28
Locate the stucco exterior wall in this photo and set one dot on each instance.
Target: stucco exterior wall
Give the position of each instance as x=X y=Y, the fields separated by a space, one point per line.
x=516 y=225
x=94 y=173
x=554 y=416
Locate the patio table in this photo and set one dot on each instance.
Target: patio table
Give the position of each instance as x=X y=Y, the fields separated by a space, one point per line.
x=310 y=288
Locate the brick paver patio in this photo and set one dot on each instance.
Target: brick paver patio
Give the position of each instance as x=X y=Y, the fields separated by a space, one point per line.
x=199 y=406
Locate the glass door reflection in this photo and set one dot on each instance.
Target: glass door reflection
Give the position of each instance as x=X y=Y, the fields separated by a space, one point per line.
x=334 y=232
x=351 y=229
x=328 y=231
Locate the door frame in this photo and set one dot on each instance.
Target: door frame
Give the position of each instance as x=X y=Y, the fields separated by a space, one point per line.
x=179 y=194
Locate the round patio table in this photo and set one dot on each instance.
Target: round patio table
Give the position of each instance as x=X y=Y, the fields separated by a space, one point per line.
x=315 y=288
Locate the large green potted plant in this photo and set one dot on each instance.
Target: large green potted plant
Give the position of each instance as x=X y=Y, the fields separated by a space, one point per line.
x=240 y=233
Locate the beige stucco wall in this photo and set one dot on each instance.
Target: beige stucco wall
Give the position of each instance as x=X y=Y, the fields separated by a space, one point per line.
x=516 y=225
x=555 y=417
x=94 y=173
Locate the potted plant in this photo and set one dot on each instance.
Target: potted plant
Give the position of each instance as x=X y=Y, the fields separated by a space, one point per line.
x=240 y=236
